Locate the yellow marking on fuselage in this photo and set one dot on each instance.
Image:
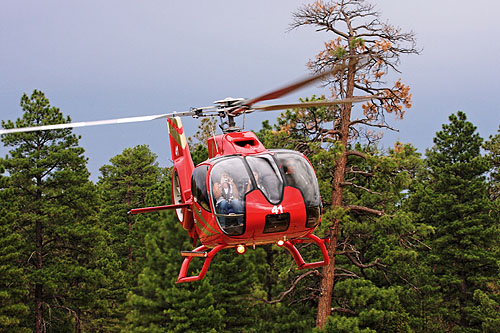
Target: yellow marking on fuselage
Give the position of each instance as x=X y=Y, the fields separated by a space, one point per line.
x=179 y=138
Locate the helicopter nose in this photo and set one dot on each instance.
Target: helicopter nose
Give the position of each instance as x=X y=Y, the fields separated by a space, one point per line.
x=266 y=221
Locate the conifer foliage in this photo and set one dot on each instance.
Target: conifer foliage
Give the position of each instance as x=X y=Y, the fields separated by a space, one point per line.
x=72 y=260
x=13 y=288
x=124 y=184
x=493 y=148
x=453 y=198
x=53 y=214
x=414 y=241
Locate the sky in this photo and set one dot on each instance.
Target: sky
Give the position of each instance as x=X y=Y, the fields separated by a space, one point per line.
x=120 y=58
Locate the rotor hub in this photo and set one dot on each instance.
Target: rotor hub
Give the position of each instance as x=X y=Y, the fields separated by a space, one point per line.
x=229 y=101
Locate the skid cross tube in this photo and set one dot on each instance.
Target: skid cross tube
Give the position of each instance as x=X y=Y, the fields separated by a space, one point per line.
x=290 y=246
x=187 y=260
x=158 y=208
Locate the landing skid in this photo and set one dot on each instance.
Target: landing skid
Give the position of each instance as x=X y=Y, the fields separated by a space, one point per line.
x=290 y=246
x=208 y=254
x=200 y=251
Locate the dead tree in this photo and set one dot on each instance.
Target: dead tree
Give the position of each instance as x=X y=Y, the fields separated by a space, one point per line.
x=369 y=49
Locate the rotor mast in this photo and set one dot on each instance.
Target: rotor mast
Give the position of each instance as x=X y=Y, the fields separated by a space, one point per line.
x=226 y=108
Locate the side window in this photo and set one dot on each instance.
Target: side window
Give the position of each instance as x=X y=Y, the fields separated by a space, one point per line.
x=199 y=186
x=299 y=173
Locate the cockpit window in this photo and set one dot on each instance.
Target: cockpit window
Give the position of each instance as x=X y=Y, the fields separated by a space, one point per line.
x=300 y=174
x=229 y=180
x=267 y=176
x=199 y=186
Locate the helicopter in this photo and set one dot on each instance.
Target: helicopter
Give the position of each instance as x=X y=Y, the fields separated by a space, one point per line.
x=244 y=194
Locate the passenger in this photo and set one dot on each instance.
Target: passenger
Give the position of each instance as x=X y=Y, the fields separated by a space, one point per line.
x=226 y=196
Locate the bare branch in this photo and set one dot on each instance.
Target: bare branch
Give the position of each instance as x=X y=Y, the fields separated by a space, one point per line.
x=358 y=171
x=344 y=310
x=403 y=240
x=31 y=256
x=356 y=153
x=345 y=273
x=359 y=187
x=376 y=263
x=294 y=284
x=366 y=123
x=383 y=268
x=364 y=209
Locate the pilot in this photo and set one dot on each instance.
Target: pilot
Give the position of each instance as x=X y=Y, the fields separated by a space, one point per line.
x=294 y=178
x=226 y=196
x=260 y=186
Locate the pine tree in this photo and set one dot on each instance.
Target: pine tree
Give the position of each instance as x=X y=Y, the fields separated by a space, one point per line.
x=453 y=199
x=376 y=285
x=488 y=310
x=48 y=178
x=238 y=282
x=13 y=288
x=367 y=49
x=123 y=185
x=378 y=244
x=158 y=303
x=493 y=148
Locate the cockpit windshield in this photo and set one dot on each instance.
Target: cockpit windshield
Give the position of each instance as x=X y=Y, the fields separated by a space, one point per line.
x=299 y=173
x=233 y=177
x=267 y=176
x=228 y=181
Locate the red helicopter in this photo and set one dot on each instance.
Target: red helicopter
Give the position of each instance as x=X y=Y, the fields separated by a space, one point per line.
x=244 y=194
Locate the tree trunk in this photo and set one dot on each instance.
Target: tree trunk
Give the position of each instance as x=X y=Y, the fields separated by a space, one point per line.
x=130 y=223
x=39 y=257
x=326 y=287
x=78 y=322
x=39 y=286
x=38 y=308
x=328 y=273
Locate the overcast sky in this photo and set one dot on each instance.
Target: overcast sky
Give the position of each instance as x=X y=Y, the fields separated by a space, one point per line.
x=117 y=58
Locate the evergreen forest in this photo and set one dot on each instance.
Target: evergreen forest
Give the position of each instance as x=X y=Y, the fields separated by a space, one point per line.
x=72 y=260
x=414 y=236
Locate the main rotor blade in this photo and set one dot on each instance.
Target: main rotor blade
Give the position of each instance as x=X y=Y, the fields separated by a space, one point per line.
x=96 y=123
x=313 y=104
x=294 y=86
x=247 y=104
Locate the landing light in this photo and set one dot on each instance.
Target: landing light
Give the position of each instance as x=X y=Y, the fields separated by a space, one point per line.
x=280 y=242
x=241 y=248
